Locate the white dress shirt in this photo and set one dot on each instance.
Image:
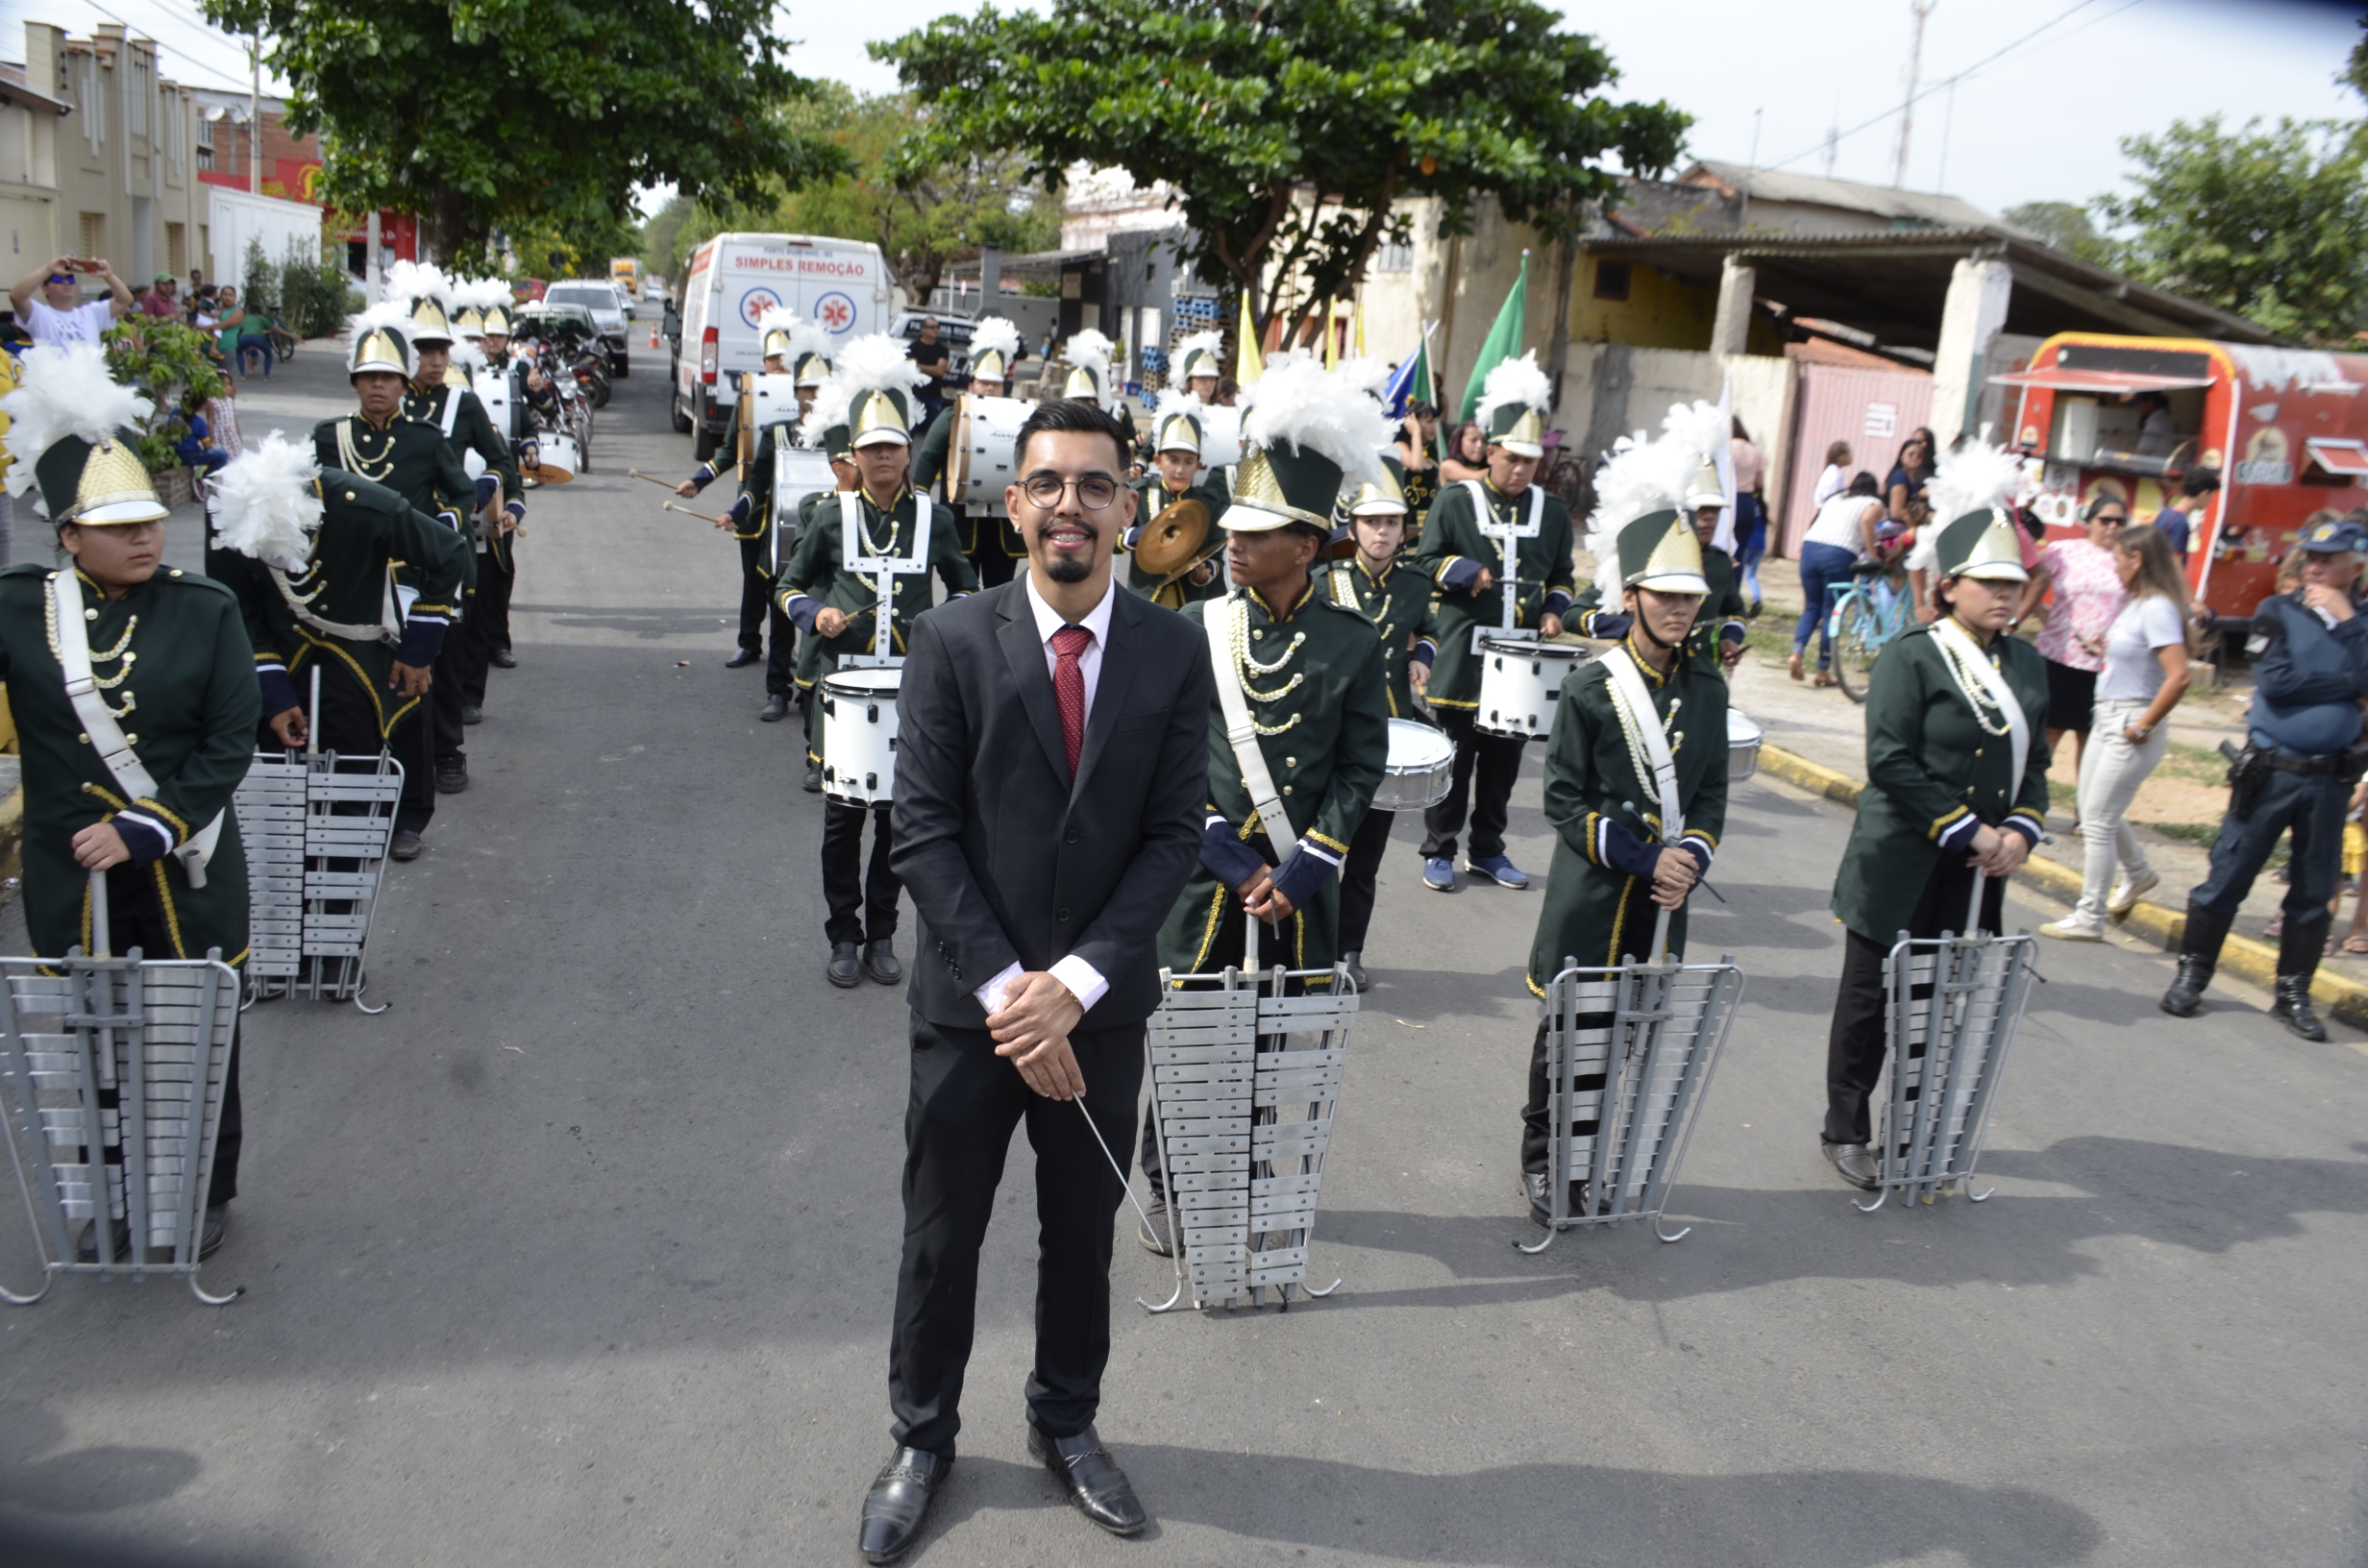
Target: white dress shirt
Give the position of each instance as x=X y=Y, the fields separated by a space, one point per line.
x=1082 y=979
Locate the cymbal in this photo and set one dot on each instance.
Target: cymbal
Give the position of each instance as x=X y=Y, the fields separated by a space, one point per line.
x=545 y=475
x=1169 y=540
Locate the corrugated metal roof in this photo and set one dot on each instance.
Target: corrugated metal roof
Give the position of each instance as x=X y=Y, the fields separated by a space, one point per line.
x=1876 y=201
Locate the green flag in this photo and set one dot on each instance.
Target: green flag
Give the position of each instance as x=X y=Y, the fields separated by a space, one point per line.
x=1504 y=339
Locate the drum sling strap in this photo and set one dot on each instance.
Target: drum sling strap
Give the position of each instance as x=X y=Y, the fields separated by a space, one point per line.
x=99 y=723
x=1227 y=621
x=883 y=569
x=1508 y=559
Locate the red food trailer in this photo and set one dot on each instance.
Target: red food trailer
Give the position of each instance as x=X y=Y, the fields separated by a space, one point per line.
x=2285 y=431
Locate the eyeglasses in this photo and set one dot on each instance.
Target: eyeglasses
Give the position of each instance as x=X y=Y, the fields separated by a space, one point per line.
x=2113 y=520
x=61 y=277
x=1095 y=491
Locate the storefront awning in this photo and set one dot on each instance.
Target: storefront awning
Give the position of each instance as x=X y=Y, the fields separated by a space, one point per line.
x=2057 y=378
x=2348 y=458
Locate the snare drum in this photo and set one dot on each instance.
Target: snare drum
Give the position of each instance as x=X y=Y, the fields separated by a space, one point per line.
x=981 y=458
x=557 y=459
x=1416 y=775
x=859 y=735
x=1220 y=435
x=1743 y=736
x=1519 y=683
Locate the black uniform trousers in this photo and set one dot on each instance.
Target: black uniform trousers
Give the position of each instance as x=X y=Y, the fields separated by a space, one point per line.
x=348 y=726
x=1225 y=949
x=958 y=1118
x=1358 y=874
x=449 y=691
x=1496 y=760
x=755 y=594
x=486 y=630
x=2312 y=807
x=1858 y=1041
x=862 y=905
x=135 y=918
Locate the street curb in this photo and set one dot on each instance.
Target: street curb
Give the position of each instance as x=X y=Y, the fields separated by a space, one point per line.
x=2241 y=956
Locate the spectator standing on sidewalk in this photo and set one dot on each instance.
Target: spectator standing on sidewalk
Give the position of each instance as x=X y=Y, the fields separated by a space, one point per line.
x=2145 y=675
x=1841 y=533
x=48 y=298
x=2177 y=519
x=159 y=300
x=1835 y=478
x=1750 y=511
x=2089 y=595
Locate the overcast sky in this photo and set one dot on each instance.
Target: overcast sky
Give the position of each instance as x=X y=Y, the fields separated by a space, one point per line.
x=2043 y=122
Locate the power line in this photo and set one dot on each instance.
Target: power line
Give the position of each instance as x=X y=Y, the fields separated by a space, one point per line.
x=1950 y=82
x=241 y=84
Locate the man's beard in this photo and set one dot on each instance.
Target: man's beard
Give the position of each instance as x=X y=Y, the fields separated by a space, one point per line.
x=1069 y=569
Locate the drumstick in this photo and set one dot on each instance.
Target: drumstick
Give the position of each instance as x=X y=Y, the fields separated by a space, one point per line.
x=705 y=517
x=651 y=477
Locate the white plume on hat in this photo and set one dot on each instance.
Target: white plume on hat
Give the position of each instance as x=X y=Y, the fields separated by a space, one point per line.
x=995 y=334
x=481 y=294
x=832 y=402
x=1090 y=349
x=1177 y=400
x=1364 y=374
x=1977 y=474
x=387 y=312
x=776 y=318
x=1197 y=342
x=469 y=357
x=1648 y=474
x=265 y=503
x=877 y=362
x=61 y=392
x=806 y=337
x=1514 y=380
x=1300 y=404
x=410 y=280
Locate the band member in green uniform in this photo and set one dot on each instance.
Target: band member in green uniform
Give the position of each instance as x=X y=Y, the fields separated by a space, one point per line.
x=441 y=397
x=131 y=778
x=1396 y=599
x=1173 y=483
x=1305 y=677
x=988 y=538
x=1617 y=863
x=832 y=600
x=1956 y=784
x=415 y=461
x=1197 y=366
x=1715 y=642
x=1469 y=567
x=836 y=444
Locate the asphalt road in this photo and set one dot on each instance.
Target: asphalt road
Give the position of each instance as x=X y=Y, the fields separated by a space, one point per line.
x=582 y=1254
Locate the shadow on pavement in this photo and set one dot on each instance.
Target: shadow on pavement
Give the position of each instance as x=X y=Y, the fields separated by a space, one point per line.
x=95 y=1479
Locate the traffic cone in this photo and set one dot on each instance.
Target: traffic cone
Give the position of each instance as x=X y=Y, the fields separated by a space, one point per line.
x=653 y=335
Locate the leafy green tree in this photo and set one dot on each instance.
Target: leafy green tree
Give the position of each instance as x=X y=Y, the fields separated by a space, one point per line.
x=479 y=114
x=1289 y=129
x=2063 y=226
x=2266 y=223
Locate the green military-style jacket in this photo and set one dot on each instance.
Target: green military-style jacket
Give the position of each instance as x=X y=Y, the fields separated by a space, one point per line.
x=1723 y=605
x=473 y=430
x=1593 y=910
x=411 y=459
x=1933 y=766
x=367 y=534
x=1399 y=605
x=817 y=576
x=173 y=663
x=1155 y=499
x=1453 y=546
x=1314 y=691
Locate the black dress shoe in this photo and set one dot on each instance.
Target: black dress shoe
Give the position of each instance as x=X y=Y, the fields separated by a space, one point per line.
x=505 y=659
x=774 y=710
x=471 y=714
x=879 y=961
x=452 y=776
x=1092 y=1478
x=1356 y=971
x=899 y=1502
x=1855 y=1163
x=845 y=968
x=87 y=1250
x=813 y=779
x=1152 y=1231
x=406 y=844
x=742 y=659
x=2293 y=1005
x=2185 y=998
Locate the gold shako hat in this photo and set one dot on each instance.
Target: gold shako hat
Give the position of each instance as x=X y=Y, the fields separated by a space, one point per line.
x=422 y=291
x=876 y=379
x=878 y=418
x=772 y=330
x=1661 y=551
x=470 y=323
x=497 y=321
x=994 y=347
x=807 y=351
x=96 y=483
x=1307 y=435
x=382 y=341
x=1273 y=489
x=72 y=431
x=1384 y=497
x=1983 y=543
x=1513 y=403
x=810 y=369
x=1177 y=431
x=1705 y=489
x=1089 y=366
x=1198 y=355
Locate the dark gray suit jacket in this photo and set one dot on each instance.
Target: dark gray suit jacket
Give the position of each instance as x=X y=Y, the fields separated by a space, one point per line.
x=1005 y=862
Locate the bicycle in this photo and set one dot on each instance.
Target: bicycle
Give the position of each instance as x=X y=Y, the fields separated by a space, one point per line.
x=1862 y=616
x=284 y=343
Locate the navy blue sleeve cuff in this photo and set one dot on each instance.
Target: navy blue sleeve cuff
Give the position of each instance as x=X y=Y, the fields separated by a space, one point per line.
x=488 y=486
x=1228 y=858
x=1460 y=577
x=1300 y=875
x=1624 y=852
x=1959 y=834
x=147 y=840
x=801 y=609
x=278 y=692
x=740 y=512
x=1424 y=652
x=1609 y=625
x=2029 y=829
x=516 y=509
x=420 y=641
x=1556 y=602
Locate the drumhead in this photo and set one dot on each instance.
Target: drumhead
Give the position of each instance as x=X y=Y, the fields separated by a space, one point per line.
x=555 y=450
x=1417 y=748
x=1742 y=729
x=1523 y=648
x=863 y=685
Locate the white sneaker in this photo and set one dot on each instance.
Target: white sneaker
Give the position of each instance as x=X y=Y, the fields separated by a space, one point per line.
x=2126 y=895
x=2069 y=930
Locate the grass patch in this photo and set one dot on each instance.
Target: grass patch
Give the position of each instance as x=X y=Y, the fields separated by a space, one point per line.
x=2204 y=834
x=2202 y=763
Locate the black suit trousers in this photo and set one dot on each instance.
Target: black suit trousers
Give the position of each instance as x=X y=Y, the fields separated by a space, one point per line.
x=964 y=1102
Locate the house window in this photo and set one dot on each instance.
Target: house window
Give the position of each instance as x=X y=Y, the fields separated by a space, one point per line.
x=1612 y=279
x=176 y=249
x=95 y=234
x=204 y=141
x=1393 y=257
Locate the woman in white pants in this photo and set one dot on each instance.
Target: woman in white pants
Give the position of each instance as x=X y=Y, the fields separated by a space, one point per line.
x=2145 y=654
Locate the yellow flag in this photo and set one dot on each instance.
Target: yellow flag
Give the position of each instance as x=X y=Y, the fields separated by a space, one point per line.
x=1360 y=328
x=1248 y=364
x=1331 y=338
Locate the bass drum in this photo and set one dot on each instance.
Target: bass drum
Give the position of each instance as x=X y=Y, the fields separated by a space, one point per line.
x=981 y=459
x=557 y=458
x=1519 y=680
x=1221 y=436
x=859 y=735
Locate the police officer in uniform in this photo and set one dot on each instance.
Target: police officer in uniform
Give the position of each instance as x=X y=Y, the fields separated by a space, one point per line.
x=1949 y=707
x=992 y=544
x=1467 y=568
x=2301 y=755
x=1396 y=599
x=839 y=609
x=1174 y=481
x=1310 y=675
x=378 y=443
x=172 y=672
x=1616 y=868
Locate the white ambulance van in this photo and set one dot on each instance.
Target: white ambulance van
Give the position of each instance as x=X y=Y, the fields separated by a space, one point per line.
x=732 y=281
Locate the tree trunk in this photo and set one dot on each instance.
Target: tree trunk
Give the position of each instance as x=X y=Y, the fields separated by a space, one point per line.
x=1558 y=352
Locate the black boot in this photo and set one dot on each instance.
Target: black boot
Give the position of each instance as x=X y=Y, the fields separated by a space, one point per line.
x=2298 y=960
x=2199 y=955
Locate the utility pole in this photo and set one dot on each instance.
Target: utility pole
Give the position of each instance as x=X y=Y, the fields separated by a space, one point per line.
x=254 y=114
x=1918 y=10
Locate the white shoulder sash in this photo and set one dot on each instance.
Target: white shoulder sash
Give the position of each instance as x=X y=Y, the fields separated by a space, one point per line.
x=1226 y=619
x=1648 y=745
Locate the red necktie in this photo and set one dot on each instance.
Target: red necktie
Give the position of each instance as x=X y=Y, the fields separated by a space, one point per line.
x=1068 y=645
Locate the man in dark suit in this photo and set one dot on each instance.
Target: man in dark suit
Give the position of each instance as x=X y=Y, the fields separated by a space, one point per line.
x=1051 y=778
